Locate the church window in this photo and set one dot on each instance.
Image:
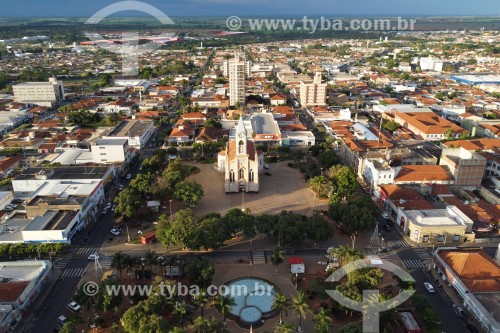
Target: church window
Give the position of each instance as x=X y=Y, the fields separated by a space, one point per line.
x=250 y=175
x=240 y=148
x=241 y=174
x=231 y=176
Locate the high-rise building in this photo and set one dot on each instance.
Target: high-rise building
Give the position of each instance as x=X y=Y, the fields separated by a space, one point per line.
x=313 y=94
x=237 y=71
x=39 y=93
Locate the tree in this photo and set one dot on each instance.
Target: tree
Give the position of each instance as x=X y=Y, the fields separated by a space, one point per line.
x=210 y=233
x=189 y=192
x=321 y=186
x=153 y=324
x=118 y=262
x=212 y=122
x=328 y=158
x=280 y=304
x=291 y=228
x=449 y=134
x=181 y=313
x=142 y=183
x=127 y=202
x=181 y=226
x=391 y=126
x=277 y=257
x=83 y=117
x=352 y=217
x=344 y=181
x=322 y=321
x=108 y=301
x=200 y=272
x=200 y=300
x=319 y=229
x=351 y=328
x=283 y=328
x=225 y=304
x=345 y=254
x=237 y=220
x=299 y=306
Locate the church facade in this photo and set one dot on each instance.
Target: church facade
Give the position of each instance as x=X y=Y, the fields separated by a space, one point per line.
x=241 y=163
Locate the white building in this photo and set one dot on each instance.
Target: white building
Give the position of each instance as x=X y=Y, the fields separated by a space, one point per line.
x=107 y=151
x=39 y=93
x=137 y=132
x=298 y=138
x=241 y=163
x=237 y=71
x=431 y=63
x=313 y=94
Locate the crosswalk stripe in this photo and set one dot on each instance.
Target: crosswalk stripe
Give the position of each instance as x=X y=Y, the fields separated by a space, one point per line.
x=413 y=263
x=259 y=257
x=87 y=250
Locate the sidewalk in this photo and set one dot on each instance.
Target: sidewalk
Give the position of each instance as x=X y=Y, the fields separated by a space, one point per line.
x=35 y=308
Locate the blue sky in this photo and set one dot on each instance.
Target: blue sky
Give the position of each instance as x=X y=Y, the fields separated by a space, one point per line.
x=85 y=8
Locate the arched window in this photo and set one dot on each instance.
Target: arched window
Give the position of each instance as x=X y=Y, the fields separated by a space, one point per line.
x=240 y=147
x=250 y=175
x=241 y=174
x=231 y=176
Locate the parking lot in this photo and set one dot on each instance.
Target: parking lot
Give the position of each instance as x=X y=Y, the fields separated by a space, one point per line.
x=283 y=190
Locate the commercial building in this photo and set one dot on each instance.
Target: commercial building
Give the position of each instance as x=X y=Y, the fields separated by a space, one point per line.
x=449 y=225
x=466 y=167
x=475 y=276
x=237 y=73
x=428 y=125
x=313 y=94
x=107 y=151
x=137 y=132
x=21 y=282
x=39 y=93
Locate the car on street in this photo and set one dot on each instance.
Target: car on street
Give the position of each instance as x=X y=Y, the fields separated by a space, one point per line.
x=74 y=306
x=288 y=250
x=429 y=287
x=387 y=227
x=382 y=249
x=129 y=176
x=459 y=311
x=266 y=166
x=108 y=206
x=60 y=322
x=385 y=215
x=93 y=256
x=268 y=173
x=116 y=231
x=121 y=187
x=104 y=211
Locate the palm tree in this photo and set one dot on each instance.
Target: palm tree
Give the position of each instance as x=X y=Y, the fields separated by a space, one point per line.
x=277 y=257
x=118 y=262
x=280 y=304
x=150 y=259
x=181 y=313
x=322 y=321
x=225 y=304
x=300 y=306
x=283 y=328
x=201 y=325
x=200 y=300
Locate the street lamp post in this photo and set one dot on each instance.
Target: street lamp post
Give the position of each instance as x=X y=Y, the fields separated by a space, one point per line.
x=170 y=202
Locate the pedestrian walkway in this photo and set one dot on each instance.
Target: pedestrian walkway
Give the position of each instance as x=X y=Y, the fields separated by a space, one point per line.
x=62 y=263
x=105 y=261
x=73 y=272
x=87 y=250
x=423 y=254
x=397 y=243
x=258 y=257
x=413 y=263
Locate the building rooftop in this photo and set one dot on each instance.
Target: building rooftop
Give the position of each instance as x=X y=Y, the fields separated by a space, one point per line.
x=437 y=217
x=111 y=142
x=415 y=173
x=64 y=173
x=130 y=128
x=51 y=220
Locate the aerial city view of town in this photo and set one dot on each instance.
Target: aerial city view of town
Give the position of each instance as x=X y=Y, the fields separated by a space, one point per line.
x=250 y=166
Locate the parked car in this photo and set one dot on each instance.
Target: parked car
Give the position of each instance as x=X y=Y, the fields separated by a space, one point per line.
x=266 y=166
x=74 y=306
x=121 y=187
x=60 y=322
x=288 y=251
x=108 y=206
x=268 y=173
x=382 y=249
x=429 y=287
x=129 y=176
x=459 y=311
x=104 y=211
x=116 y=231
x=387 y=227
x=93 y=256
x=386 y=215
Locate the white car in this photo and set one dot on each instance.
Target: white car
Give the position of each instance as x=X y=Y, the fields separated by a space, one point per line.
x=93 y=256
x=429 y=287
x=108 y=206
x=104 y=211
x=129 y=176
x=74 y=306
x=385 y=215
x=116 y=232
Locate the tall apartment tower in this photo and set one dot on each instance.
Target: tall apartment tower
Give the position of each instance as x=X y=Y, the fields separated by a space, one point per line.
x=237 y=72
x=313 y=94
x=39 y=93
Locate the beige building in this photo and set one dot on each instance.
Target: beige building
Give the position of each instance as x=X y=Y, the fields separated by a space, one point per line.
x=39 y=93
x=467 y=167
x=237 y=72
x=313 y=94
x=449 y=225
